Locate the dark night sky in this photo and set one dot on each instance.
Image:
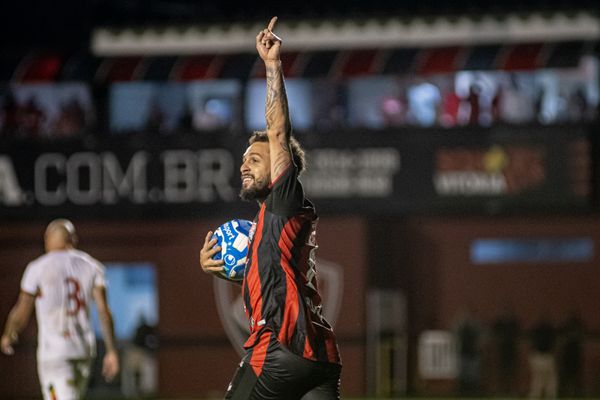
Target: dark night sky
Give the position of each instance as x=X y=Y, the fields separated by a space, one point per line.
x=69 y=22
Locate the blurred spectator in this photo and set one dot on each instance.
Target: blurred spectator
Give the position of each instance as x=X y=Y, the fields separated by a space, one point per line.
x=495 y=106
x=577 y=108
x=139 y=375
x=539 y=104
x=506 y=333
x=516 y=106
x=71 y=119
x=155 y=125
x=30 y=119
x=185 y=122
x=393 y=110
x=329 y=100
x=474 y=104
x=468 y=333
x=542 y=361
x=215 y=113
x=423 y=102
x=450 y=109
x=10 y=115
x=571 y=358
x=46 y=110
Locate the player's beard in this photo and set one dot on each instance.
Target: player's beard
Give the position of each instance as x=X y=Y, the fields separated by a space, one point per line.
x=258 y=190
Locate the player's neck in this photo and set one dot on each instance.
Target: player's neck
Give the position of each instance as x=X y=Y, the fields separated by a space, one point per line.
x=64 y=247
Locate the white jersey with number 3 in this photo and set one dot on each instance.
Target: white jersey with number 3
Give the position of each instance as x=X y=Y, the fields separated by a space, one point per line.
x=63 y=283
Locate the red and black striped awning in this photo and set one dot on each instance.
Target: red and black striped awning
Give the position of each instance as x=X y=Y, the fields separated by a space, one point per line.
x=349 y=63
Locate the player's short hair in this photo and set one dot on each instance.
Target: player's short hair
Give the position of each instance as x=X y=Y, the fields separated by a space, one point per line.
x=298 y=154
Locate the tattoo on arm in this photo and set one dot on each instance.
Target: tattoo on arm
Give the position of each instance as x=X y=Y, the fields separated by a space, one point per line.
x=277 y=117
x=276 y=106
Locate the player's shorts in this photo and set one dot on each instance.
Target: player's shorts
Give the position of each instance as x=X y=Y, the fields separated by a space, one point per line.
x=271 y=371
x=64 y=379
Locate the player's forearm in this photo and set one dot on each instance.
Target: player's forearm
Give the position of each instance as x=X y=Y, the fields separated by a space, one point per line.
x=11 y=328
x=276 y=106
x=15 y=323
x=108 y=331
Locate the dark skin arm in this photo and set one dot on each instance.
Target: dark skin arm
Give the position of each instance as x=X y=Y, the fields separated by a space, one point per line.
x=17 y=320
x=110 y=363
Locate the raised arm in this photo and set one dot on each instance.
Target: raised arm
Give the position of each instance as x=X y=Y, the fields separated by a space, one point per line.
x=277 y=115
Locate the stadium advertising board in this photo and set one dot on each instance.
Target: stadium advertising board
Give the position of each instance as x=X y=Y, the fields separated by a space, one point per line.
x=351 y=172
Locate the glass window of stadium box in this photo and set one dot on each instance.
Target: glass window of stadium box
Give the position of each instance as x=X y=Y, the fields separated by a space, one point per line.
x=551 y=93
x=164 y=108
x=315 y=104
x=46 y=110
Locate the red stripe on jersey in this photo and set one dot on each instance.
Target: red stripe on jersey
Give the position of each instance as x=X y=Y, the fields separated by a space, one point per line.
x=308 y=350
x=253 y=278
x=259 y=353
x=290 y=312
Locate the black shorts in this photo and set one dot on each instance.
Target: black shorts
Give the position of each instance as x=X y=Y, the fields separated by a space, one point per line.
x=279 y=374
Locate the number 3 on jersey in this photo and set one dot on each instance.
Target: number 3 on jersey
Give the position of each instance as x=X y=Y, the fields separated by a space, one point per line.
x=75 y=301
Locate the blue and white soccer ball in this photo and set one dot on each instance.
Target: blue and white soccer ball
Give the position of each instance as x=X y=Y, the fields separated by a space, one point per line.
x=232 y=236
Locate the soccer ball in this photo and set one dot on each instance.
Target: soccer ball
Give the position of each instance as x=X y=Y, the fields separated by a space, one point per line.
x=232 y=236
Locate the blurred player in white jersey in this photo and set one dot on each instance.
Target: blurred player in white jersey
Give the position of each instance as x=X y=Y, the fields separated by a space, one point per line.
x=61 y=284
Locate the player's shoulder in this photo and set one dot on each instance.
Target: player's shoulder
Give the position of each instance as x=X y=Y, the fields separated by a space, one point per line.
x=46 y=261
x=83 y=256
x=46 y=258
x=289 y=173
x=41 y=260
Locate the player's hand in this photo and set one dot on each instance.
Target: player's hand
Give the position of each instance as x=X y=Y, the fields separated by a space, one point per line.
x=6 y=343
x=207 y=252
x=267 y=43
x=110 y=365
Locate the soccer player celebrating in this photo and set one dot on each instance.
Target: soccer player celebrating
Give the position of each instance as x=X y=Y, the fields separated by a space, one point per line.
x=291 y=352
x=62 y=283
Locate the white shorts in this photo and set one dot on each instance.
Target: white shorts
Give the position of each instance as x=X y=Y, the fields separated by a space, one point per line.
x=64 y=379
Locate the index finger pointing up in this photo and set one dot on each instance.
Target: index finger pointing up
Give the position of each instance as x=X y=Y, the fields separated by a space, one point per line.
x=272 y=24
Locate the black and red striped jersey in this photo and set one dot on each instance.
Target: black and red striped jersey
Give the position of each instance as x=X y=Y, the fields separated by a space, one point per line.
x=280 y=289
